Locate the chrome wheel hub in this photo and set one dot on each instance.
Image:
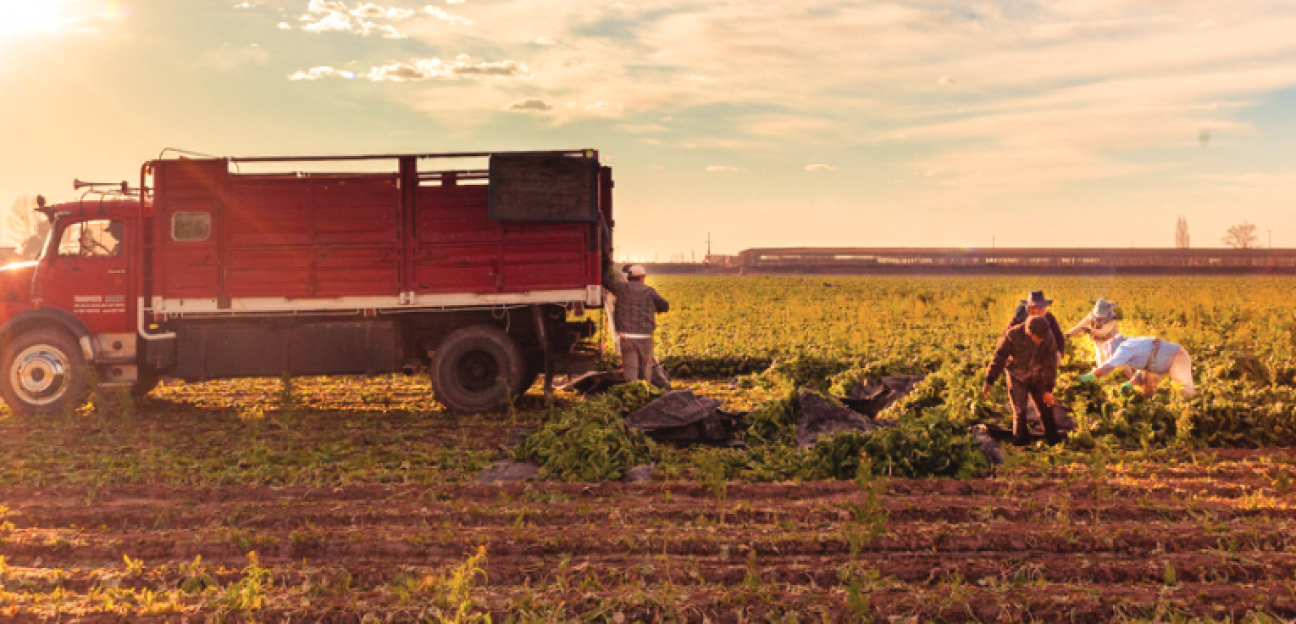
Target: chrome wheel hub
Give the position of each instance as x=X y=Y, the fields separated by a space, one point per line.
x=40 y=374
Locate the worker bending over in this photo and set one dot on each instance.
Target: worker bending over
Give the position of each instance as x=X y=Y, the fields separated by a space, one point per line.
x=1101 y=325
x=1154 y=359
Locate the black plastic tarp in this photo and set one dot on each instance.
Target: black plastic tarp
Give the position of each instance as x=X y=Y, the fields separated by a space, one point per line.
x=822 y=417
x=598 y=382
x=686 y=418
x=871 y=396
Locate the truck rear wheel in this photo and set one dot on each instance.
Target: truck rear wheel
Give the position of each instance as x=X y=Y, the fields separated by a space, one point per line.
x=469 y=365
x=44 y=373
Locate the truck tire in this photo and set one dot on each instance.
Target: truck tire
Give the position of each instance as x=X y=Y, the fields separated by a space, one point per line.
x=469 y=364
x=44 y=373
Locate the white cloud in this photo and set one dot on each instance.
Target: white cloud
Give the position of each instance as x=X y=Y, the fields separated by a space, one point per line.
x=944 y=80
x=442 y=15
x=327 y=16
x=316 y=73
x=331 y=22
x=387 y=30
x=722 y=169
x=285 y=26
x=529 y=104
x=821 y=168
x=425 y=69
x=326 y=6
x=544 y=41
x=373 y=11
x=244 y=5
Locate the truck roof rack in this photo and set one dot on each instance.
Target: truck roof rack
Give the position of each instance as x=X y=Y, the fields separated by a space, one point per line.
x=587 y=153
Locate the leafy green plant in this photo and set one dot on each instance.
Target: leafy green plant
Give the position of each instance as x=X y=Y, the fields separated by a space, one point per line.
x=592 y=442
x=248 y=594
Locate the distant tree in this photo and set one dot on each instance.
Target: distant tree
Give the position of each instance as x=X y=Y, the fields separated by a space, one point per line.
x=1242 y=236
x=26 y=227
x=1181 y=233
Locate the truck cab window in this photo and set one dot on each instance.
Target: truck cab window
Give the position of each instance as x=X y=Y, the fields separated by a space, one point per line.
x=92 y=239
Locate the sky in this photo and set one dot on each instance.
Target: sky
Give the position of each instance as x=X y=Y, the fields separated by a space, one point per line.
x=758 y=123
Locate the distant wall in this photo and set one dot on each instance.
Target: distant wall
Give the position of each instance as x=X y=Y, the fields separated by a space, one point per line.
x=1066 y=261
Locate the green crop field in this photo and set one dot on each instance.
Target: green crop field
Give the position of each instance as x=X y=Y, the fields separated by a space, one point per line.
x=357 y=499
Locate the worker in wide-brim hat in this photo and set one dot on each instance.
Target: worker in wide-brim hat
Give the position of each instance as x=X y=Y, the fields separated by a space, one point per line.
x=637 y=307
x=1027 y=354
x=1036 y=305
x=1101 y=325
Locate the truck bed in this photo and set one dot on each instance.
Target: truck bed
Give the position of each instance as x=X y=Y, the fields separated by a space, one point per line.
x=290 y=242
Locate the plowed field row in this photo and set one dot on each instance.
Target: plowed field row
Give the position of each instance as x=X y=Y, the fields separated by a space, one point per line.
x=1060 y=544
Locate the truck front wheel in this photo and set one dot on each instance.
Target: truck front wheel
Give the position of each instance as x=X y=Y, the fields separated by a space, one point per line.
x=44 y=373
x=476 y=368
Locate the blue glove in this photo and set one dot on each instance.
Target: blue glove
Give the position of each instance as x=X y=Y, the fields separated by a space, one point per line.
x=1127 y=387
x=1088 y=378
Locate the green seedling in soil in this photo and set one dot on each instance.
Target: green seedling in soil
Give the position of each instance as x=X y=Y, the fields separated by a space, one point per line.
x=248 y=594
x=458 y=598
x=859 y=584
x=1170 y=578
x=560 y=575
x=194 y=578
x=868 y=520
x=712 y=474
x=133 y=566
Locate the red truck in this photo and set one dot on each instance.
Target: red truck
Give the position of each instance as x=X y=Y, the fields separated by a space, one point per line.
x=251 y=267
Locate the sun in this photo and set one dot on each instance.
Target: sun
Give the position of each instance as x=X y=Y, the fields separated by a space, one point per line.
x=22 y=18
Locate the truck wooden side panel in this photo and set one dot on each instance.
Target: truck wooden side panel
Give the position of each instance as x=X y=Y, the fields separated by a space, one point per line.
x=461 y=250
x=329 y=236
x=187 y=269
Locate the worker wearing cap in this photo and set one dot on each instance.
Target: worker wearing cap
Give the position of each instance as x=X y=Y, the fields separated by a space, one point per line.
x=1036 y=305
x=637 y=306
x=1154 y=359
x=1102 y=326
x=1027 y=353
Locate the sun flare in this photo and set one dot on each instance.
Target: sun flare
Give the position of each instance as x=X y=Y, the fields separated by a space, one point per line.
x=34 y=17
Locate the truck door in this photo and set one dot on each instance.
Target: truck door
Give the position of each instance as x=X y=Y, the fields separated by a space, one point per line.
x=87 y=276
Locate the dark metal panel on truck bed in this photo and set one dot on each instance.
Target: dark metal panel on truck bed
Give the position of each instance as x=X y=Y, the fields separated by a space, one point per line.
x=223 y=350
x=543 y=187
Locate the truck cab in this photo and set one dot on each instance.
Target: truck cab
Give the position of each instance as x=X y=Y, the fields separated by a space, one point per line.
x=204 y=271
x=71 y=307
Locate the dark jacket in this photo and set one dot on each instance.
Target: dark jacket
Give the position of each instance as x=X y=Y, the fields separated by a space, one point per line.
x=1059 y=338
x=1025 y=361
x=636 y=306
